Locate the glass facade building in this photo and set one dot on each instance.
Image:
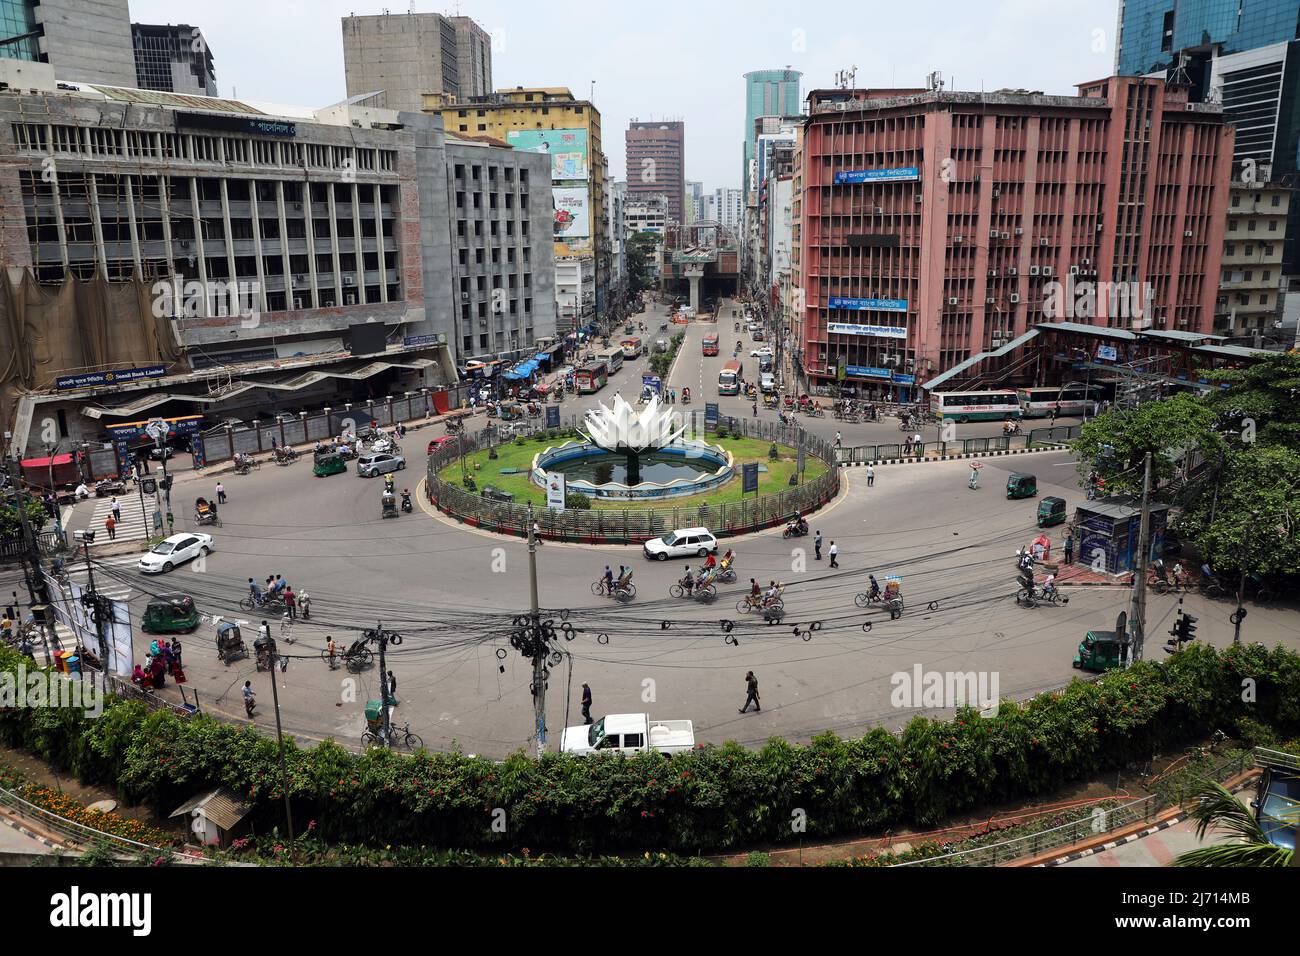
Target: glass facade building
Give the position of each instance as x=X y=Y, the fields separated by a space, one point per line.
x=768 y=93
x=18 y=40
x=1152 y=32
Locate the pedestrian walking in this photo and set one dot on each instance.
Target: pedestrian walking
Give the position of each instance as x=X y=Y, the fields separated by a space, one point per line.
x=839 y=441
x=176 y=653
x=111 y=526
x=392 y=690
x=586 y=703
x=835 y=553
x=116 y=508
x=1069 y=547
x=871 y=476
x=332 y=649
x=817 y=545
x=171 y=523
x=751 y=692
x=755 y=409
x=291 y=603
x=537 y=532
x=221 y=493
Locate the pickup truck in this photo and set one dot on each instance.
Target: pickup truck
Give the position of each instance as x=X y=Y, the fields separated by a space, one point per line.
x=629 y=734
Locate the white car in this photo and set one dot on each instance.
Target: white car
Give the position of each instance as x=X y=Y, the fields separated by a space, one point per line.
x=371 y=466
x=175 y=550
x=690 y=542
x=757 y=353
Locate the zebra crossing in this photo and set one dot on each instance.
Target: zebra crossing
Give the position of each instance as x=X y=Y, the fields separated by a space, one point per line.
x=131 y=523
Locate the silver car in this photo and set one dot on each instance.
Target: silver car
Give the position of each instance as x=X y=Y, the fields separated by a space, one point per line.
x=371 y=466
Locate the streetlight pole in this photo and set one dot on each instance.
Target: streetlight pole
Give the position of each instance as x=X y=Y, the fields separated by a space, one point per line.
x=1138 y=615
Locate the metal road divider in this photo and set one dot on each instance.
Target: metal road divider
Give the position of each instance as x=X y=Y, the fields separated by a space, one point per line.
x=1040 y=439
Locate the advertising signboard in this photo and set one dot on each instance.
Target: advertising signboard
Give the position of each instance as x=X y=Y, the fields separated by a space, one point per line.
x=566 y=147
x=749 y=475
x=552 y=416
x=556 y=486
x=710 y=413
x=114 y=377
x=572 y=212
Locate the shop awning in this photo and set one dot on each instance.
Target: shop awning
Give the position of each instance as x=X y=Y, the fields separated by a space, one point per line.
x=45 y=462
x=522 y=370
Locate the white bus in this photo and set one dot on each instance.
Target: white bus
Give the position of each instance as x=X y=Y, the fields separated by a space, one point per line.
x=613 y=359
x=975 y=406
x=1073 y=400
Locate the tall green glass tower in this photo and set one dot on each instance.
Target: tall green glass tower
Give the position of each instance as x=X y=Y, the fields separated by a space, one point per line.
x=767 y=93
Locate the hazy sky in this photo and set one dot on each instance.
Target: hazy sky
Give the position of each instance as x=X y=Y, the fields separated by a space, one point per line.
x=656 y=59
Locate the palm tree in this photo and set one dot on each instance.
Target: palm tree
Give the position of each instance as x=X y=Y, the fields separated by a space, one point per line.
x=1218 y=809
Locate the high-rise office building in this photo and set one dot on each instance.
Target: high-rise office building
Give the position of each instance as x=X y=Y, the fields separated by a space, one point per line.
x=656 y=164
x=767 y=93
x=1154 y=33
x=84 y=40
x=407 y=55
x=173 y=59
x=694 y=201
x=730 y=204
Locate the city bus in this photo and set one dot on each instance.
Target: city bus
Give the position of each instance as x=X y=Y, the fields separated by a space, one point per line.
x=729 y=378
x=975 y=406
x=1074 y=400
x=631 y=347
x=710 y=345
x=591 y=377
x=613 y=359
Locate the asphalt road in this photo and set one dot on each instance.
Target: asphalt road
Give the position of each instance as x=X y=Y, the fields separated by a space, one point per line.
x=452 y=593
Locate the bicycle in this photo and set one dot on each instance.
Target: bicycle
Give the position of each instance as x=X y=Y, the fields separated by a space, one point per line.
x=397 y=736
x=268 y=606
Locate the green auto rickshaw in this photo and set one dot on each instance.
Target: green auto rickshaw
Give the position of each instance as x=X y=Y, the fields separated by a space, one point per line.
x=328 y=463
x=170 y=614
x=1021 y=486
x=1051 y=511
x=1102 y=651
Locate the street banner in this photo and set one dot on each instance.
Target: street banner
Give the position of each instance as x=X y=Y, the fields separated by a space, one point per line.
x=555 y=490
x=552 y=416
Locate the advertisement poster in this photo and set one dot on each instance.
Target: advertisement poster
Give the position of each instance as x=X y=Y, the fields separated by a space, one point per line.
x=566 y=147
x=572 y=213
x=555 y=490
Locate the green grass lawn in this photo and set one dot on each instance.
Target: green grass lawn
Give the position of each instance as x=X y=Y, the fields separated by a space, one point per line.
x=775 y=479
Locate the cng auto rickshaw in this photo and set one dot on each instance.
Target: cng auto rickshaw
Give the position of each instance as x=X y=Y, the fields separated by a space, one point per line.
x=1102 y=651
x=1022 y=486
x=390 y=505
x=230 y=643
x=326 y=463
x=1051 y=511
x=170 y=614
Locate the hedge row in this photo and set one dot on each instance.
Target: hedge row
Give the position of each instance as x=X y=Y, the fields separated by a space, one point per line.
x=712 y=799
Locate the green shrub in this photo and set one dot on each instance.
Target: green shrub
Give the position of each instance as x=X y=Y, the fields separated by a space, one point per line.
x=577 y=501
x=519 y=441
x=757 y=859
x=711 y=799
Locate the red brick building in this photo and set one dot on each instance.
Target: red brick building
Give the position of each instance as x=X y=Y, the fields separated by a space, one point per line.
x=656 y=164
x=933 y=225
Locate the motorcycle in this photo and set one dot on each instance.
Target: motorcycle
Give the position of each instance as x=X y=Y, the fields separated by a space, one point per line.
x=406 y=502
x=793 y=530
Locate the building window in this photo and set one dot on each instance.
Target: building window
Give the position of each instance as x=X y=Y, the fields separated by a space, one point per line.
x=1277 y=200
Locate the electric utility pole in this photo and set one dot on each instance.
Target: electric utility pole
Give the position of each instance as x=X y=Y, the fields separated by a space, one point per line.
x=279 y=729
x=539 y=649
x=1138 y=615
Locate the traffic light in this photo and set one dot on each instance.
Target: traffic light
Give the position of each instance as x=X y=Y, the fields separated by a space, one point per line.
x=149 y=486
x=166 y=483
x=1184 y=630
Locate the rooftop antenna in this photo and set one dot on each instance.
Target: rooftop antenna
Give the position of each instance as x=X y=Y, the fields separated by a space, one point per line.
x=847 y=79
x=1179 y=76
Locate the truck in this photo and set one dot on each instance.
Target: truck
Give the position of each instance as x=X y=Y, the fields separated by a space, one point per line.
x=629 y=734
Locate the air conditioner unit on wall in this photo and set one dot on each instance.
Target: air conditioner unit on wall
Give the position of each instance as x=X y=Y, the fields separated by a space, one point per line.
x=952 y=300
x=1042 y=242
x=989 y=300
x=1006 y=235
x=1013 y=271
x=916 y=198
x=1020 y=231
x=1047 y=270
x=1015 y=297
x=1033 y=270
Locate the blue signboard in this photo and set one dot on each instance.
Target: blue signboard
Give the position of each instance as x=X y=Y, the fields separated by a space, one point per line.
x=1107 y=353
x=749 y=475
x=902 y=379
x=904 y=174
x=710 y=413
x=552 y=416
x=416 y=341
x=868 y=305
x=653 y=382
x=115 y=377
x=863 y=371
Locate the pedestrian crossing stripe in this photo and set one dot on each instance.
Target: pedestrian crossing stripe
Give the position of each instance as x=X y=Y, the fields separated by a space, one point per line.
x=131 y=524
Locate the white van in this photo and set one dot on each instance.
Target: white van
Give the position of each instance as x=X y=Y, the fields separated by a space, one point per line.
x=767 y=382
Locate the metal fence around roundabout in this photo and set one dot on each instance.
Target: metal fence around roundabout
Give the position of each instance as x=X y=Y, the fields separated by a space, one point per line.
x=1039 y=438
x=628 y=525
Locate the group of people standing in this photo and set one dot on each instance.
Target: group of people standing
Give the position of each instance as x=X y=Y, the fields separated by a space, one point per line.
x=164 y=658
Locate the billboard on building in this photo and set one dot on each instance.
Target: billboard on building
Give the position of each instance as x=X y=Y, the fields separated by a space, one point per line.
x=572 y=213
x=566 y=147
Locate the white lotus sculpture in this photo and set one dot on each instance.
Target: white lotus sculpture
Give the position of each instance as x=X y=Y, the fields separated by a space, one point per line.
x=625 y=430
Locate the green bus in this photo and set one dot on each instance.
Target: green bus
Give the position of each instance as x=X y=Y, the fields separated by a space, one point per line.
x=976 y=406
